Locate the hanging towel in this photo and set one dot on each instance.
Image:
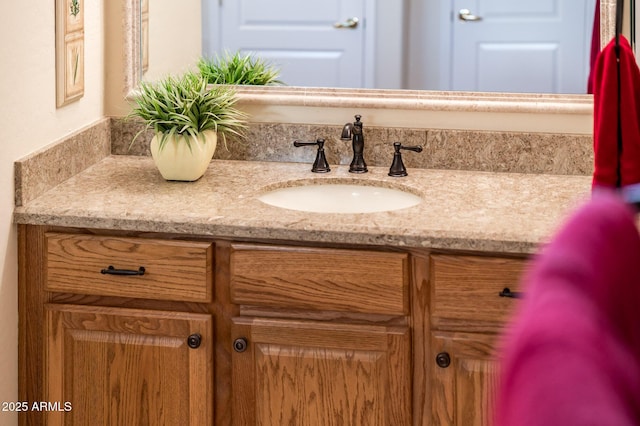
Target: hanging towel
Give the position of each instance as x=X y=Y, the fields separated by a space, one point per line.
x=571 y=355
x=614 y=168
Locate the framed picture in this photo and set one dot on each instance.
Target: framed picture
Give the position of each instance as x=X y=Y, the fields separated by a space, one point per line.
x=69 y=51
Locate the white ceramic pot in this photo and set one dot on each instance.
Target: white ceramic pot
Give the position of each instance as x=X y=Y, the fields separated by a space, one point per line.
x=177 y=161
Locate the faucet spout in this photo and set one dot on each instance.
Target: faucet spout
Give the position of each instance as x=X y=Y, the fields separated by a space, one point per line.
x=354 y=132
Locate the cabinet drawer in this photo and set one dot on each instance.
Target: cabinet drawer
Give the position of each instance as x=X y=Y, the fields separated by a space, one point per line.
x=173 y=270
x=467 y=287
x=320 y=279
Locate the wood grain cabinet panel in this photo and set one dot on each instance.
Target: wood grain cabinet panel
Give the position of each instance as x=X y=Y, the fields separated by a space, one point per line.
x=464 y=392
x=466 y=288
x=118 y=366
x=358 y=281
x=173 y=270
x=312 y=373
x=468 y=315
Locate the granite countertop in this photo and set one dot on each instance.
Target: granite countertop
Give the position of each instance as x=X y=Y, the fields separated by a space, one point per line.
x=462 y=210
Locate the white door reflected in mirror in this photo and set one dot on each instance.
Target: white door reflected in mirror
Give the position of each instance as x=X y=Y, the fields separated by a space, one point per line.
x=525 y=47
x=463 y=45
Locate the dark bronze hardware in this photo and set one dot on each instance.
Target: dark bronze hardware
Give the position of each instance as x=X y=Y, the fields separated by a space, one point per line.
x=194 y=341
x=353 y=131
x=506 y=292
x=240 y=344
x=397 y=168
x=443 y=360
x=110 y=270
x=320 y=164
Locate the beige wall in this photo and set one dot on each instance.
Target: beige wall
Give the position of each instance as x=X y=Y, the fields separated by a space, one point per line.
x=29 y=121
x=173 y=48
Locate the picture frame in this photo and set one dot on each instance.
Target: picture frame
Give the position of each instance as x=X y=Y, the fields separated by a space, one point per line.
x=70 y=51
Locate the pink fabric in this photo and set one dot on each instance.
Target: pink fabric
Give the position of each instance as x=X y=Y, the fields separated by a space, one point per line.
x=605 y=117
x=571 y=356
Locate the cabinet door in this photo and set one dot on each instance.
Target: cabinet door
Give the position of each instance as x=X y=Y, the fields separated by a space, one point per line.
x=311 y=373
x=464 y=381
x=118 y=366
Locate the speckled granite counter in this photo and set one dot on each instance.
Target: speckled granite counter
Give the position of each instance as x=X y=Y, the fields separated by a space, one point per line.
x=462 y=210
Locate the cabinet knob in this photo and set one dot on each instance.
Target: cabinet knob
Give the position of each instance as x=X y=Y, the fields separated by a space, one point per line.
x=194 y=341
x=443 y=360
x=240 y=345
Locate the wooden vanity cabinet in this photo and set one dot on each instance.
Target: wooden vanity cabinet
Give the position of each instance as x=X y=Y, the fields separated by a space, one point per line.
x=94 y=357
x=467 y=316
x=117 y=366
x=309 y=372
x=294 y=334
x=322 y=337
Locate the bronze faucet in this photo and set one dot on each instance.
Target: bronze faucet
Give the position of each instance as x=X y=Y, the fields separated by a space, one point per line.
x=354 y=132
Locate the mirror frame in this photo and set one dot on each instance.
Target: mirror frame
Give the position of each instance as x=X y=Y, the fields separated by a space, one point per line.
x=399 y=108
x=132 y=46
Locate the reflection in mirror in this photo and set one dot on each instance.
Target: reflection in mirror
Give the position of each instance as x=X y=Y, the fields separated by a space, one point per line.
x=635 y=16
x=170 y=37
x=179 y=38
x=480 y=45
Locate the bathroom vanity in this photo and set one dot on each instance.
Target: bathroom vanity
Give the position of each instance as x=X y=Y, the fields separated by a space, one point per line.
x=143 y=300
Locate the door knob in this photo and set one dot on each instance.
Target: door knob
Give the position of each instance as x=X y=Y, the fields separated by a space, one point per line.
x=466 y=15
x=351 y=23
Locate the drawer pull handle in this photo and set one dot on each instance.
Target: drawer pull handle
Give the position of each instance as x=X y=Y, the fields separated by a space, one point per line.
x=113 y=271
x=506 y=292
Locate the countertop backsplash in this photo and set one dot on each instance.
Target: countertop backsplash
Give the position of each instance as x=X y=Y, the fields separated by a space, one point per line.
x=45 y=168
x=511 y=152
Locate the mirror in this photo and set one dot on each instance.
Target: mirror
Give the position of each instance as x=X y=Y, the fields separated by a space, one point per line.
x=134 y=64
x=166 y=46
x=495 y=46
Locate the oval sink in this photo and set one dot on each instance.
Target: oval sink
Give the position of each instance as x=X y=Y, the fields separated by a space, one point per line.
x=340 y=198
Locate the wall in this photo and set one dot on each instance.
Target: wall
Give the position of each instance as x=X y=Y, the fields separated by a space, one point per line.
x=31 y=121
x=173 y=48
x=175 y=41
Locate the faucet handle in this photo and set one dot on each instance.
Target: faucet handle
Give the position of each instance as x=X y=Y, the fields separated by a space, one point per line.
x=320 y=165
x=397 y=168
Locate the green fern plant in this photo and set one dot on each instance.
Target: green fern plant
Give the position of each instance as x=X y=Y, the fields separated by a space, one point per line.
x=238 y=68
x=186 y=106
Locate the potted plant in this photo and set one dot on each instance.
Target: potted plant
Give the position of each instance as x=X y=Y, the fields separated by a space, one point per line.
x=238 y=68
x=187 y=116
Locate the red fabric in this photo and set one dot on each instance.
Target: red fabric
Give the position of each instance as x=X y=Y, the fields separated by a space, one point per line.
x=605 y=117
x=595 y=46
x=572 y=353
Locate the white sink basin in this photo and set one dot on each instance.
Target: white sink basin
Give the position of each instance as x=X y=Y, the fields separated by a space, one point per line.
x=340 y=198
